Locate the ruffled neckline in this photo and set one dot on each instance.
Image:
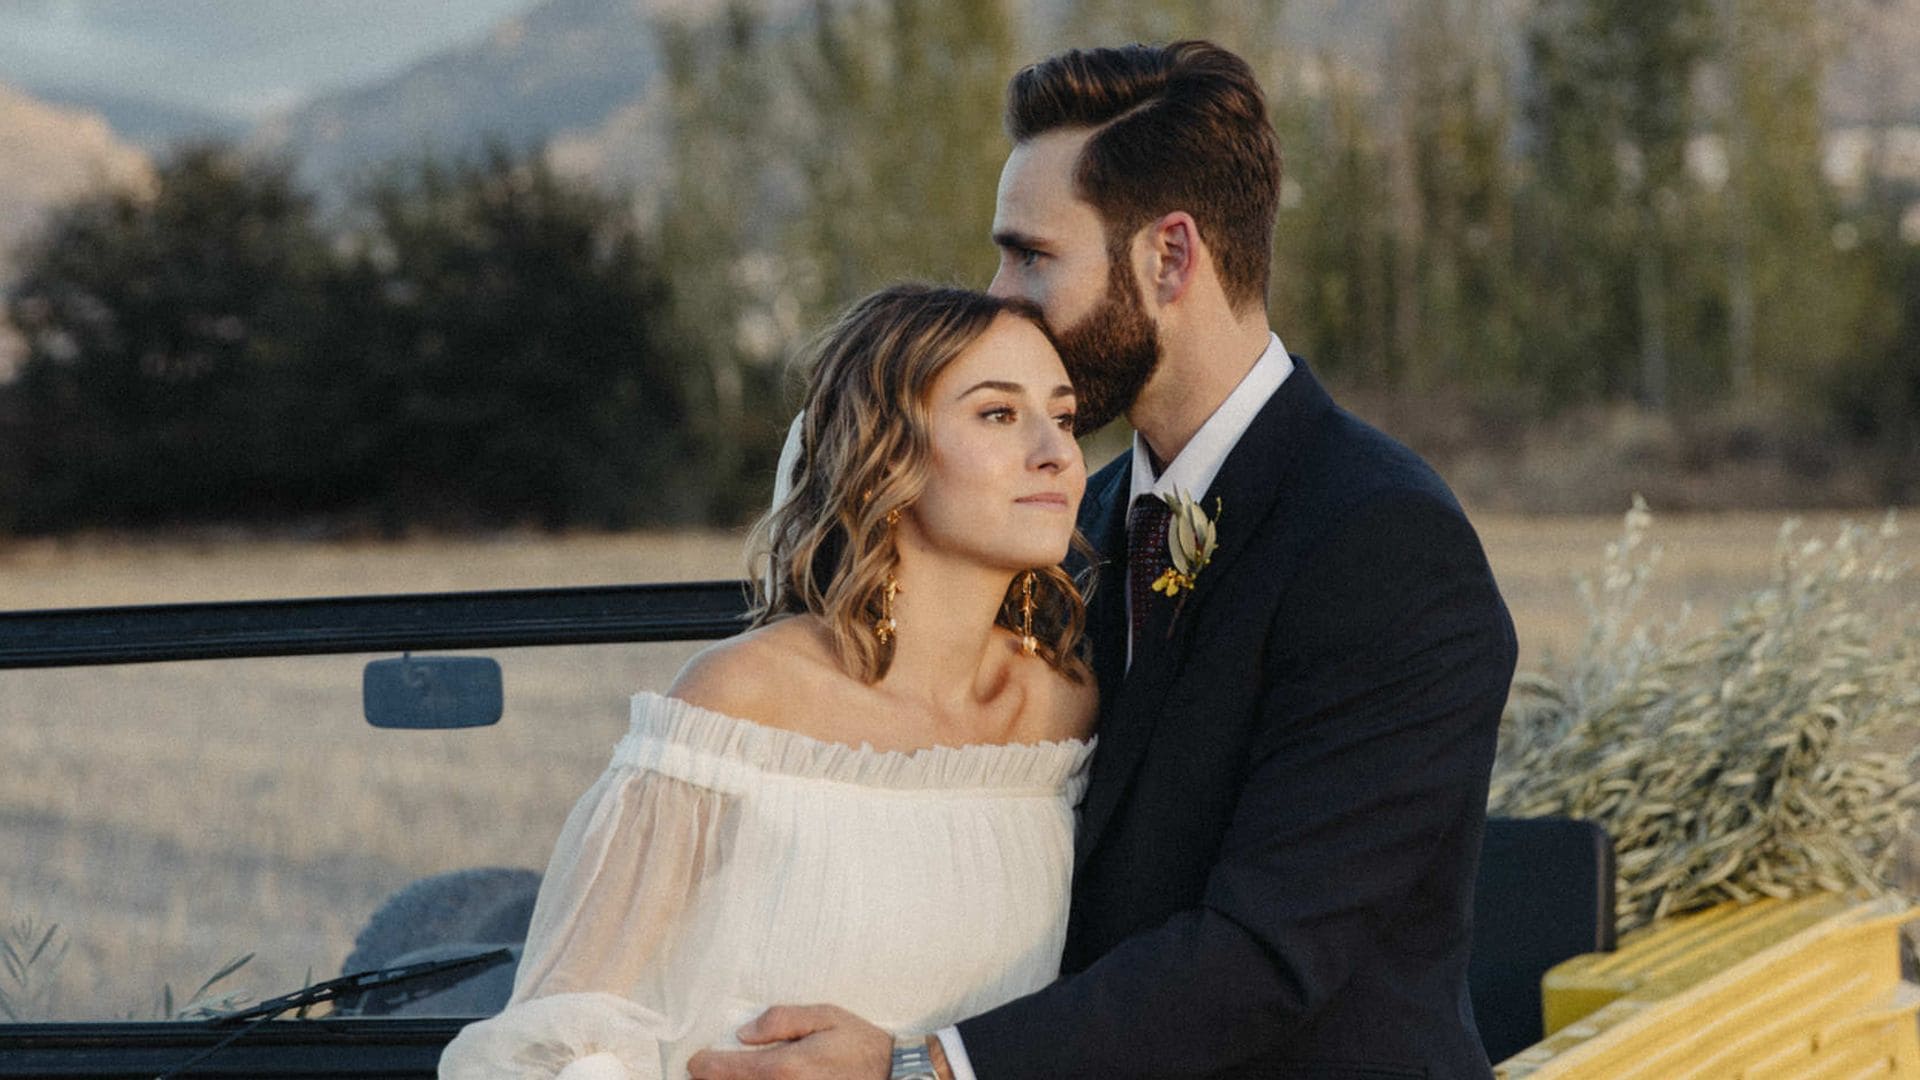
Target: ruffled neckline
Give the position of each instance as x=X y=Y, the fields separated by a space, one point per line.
x=658 y=722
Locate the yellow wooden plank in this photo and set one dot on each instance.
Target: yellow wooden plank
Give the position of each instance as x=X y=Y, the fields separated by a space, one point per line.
x=1662 y=960
x=1801 y=990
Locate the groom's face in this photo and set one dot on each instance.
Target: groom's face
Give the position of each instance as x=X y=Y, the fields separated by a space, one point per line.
x=1053 y=252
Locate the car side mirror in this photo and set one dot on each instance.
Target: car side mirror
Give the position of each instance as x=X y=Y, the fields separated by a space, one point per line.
x=430 y=692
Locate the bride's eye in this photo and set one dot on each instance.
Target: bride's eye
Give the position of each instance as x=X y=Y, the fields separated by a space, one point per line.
x=999 y=414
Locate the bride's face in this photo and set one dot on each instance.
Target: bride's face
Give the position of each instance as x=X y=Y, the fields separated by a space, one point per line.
x=1006 y=476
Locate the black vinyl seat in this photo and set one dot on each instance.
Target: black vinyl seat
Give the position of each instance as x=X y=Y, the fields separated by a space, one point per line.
x=1544 y=894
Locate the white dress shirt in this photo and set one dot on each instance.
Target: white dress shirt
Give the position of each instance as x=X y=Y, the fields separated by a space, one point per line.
x=1192 y=472
x=1200 y=460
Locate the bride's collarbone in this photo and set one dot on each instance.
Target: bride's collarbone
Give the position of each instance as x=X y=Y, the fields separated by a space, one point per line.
x=894 y=720
x=1027 y=702
x=786 y=676
x=879 y=715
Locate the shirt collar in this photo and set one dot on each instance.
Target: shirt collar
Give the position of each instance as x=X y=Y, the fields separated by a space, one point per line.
x=1199 y=462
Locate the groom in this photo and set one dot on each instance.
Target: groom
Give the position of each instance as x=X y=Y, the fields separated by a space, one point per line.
x=1275 y=861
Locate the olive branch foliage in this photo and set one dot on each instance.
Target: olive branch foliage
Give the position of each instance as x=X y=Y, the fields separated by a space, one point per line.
x=30 y=953
x=30 y=956
x=1770 y=756
x=197 y=1005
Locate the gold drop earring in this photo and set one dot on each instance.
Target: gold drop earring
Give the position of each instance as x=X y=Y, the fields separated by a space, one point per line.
x=1028 y=643
x=884 y=626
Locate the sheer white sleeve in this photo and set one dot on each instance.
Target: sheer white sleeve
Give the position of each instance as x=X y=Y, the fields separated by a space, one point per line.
x=630 y=859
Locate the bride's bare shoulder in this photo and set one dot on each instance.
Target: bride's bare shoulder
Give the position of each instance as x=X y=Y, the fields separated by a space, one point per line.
x=759 y=674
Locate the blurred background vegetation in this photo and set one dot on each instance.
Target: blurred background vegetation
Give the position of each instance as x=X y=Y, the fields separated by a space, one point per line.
x=1568 y=248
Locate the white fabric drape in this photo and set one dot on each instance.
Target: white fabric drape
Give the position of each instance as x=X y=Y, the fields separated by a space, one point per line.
x=721 y=866
x=789 y=458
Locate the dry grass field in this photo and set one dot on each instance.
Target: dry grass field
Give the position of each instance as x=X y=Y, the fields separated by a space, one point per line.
x=170 y=817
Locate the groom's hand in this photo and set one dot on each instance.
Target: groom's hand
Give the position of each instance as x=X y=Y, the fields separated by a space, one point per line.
x=803 y=1042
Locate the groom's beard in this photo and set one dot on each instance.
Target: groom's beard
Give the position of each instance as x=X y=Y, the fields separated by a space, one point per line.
x=1111 y=353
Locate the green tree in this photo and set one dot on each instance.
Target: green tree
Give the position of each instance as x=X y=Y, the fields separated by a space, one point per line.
x=1872 y=390
x=898 y=145
x=1251 y=28
x=1454 y=248
x=1332 y=289
x=1610 y=113
x=735 y=304
x=812 y=163
x=499 y=340
x=1786 y=286
x=168 y=335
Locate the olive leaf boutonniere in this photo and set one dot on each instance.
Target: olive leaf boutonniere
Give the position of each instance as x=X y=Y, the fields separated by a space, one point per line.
x=1192 y=537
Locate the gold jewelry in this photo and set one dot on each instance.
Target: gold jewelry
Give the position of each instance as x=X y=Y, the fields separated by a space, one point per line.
x=884 y=626
x=1028 y=643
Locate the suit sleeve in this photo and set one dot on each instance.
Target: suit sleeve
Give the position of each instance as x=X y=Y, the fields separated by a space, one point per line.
x=1389 y=660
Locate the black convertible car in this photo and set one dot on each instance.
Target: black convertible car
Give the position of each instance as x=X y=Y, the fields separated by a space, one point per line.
x=287 y=838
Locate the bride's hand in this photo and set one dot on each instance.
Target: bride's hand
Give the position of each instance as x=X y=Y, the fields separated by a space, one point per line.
x=817 y=1041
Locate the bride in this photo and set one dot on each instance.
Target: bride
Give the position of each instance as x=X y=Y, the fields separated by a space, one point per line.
x=867 y=799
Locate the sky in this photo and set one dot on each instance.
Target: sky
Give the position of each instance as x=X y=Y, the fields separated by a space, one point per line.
x=239 y=58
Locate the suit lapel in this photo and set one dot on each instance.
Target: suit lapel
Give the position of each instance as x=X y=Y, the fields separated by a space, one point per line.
x=1248 y=487
x=1251 y=481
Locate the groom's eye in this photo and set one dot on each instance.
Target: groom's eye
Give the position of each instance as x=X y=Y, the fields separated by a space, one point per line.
x=1065 y=420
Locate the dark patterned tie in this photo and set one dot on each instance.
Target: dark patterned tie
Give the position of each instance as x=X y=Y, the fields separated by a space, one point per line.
x=1147 y=558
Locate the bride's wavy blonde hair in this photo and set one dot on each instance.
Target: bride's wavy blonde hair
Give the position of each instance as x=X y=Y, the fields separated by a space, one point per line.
x=864 y=454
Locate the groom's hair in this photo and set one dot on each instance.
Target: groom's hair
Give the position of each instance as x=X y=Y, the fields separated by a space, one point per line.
x=1176 y=127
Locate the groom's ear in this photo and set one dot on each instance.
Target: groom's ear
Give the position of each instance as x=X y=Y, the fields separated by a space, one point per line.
x=1174 y=256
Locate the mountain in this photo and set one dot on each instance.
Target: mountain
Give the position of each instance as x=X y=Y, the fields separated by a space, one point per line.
x=151 y=125
x=1871 y=47
x=566 y=65
x=579 y=76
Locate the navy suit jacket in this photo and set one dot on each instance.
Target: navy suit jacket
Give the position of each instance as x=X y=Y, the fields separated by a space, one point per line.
x=1275 y=864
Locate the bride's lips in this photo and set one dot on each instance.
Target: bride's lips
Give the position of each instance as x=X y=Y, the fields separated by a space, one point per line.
x=1046 y=500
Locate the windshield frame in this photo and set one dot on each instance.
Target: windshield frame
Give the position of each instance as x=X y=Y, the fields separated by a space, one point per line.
x=245 y=629
x=135 y=634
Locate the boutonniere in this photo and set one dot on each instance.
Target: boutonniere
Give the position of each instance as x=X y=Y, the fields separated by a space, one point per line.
x=1192 y=537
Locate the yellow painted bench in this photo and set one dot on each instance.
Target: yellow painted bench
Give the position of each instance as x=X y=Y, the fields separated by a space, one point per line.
x=1804 y=989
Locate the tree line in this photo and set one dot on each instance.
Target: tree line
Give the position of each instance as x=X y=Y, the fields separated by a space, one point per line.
x=1626 y=207
x=488 y=344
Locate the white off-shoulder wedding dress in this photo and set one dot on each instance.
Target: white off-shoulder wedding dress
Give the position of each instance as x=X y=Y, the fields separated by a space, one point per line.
x=720 y=866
